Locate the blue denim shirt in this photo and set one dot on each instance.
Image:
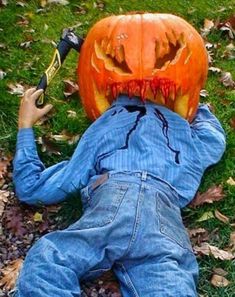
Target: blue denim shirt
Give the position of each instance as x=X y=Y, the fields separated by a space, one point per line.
x=129 y=136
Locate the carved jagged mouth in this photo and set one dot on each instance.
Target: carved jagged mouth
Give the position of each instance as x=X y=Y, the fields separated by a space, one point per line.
x=164 y=91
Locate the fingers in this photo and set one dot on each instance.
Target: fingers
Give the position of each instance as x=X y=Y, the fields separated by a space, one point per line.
x=30 y=91
x=45 y=109
x=34 y=96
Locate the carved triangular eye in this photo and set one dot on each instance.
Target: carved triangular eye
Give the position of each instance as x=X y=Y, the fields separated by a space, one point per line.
x=172 y=54
x=168 y=57
x=114 y=59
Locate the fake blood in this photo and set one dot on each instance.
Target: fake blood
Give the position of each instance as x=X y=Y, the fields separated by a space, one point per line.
x=139 y=87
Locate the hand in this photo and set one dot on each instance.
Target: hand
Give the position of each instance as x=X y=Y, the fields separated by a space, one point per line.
x=29 y=114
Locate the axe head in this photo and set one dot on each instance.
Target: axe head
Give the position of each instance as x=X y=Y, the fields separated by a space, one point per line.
x=72 y=39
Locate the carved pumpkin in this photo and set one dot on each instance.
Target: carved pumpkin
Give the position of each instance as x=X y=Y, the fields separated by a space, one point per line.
x=159 y=57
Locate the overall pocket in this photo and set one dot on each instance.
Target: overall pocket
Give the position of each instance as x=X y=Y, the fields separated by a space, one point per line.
x=101 y=205
x=171 y=224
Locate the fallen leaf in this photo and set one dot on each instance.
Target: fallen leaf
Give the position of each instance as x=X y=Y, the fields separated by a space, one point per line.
x=210 y=55
x=204 y=93
x=232 y=123
x=65 y=136
x=228 y=26
x=23 y=21
x=26 y=44
x=20 y=3
x=14 y=221
x=72 y=114
x=3 y=46
x=221 y=217
x=4 y=163
x=3 y=3
x=227 y=80
x=198 y=235
x=2 y=74
x=70 y=87
x=208 y=250
x=10 y=274
x=206 y=216
x=16 y=89
x=228 y=30
x=230 y=181
x=3 y=200
x=37 y=217
x=232 y=241
x=43 y=3
x=208 y=26
x=61 y=2
x=219 y=281
x=194 y=232
x=229 y=52
x=48 y=145
x=214 y=193
x=215 y=69
x=220 y=271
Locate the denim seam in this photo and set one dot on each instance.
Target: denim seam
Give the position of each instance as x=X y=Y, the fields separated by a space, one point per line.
x=108 y=221
x=137 y=220
x=128 y=280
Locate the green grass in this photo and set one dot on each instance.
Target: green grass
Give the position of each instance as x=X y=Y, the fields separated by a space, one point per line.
x=13 y=60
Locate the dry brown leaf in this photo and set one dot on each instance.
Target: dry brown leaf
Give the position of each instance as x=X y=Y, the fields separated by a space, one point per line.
x=219 y=281
x=3 y=200
x=4 y=163
x=21 y=3
x=11 y=273
x=48 y=145
x=2 y=74
x=215 y=69
x=214 y=193
x=220 y=271
x=232 y=123
x=221 y=217
x=3 y=3
x=70 y=87
x=230 y=181
x=23 y=21
x=208 y=250
x=61 y=2
x=232 y=241
x=227 y=80
x=26 y=44
x=204 y=93
x=195 y=232
x=208 y=26
x=66 y=136
x=229 y=52
x=199 y=235
x=72 y=114
x=16 y=89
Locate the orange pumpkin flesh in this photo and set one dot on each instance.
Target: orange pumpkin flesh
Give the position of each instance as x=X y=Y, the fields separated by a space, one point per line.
x=158 y=57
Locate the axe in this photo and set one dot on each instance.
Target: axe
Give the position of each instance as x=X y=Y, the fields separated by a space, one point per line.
x=68 y=40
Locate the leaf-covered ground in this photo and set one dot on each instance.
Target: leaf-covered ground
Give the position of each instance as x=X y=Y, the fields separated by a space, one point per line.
x=29 y=31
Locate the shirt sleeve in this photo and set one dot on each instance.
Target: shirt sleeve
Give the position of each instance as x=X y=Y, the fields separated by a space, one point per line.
x=208 y=135
x=35 y=184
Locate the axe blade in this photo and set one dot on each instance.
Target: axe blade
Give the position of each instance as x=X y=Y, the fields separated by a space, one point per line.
x=68 y=40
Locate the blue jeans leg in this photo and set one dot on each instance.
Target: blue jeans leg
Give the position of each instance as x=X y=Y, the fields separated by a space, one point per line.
x=59 y=260
x=159 y=261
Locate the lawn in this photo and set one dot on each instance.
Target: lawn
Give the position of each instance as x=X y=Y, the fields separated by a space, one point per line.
x=28 y=31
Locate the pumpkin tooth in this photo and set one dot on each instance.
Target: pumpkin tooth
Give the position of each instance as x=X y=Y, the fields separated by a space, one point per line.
x=104 y=43
x=108 y=48
x=181 y=105
x=120 y=55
